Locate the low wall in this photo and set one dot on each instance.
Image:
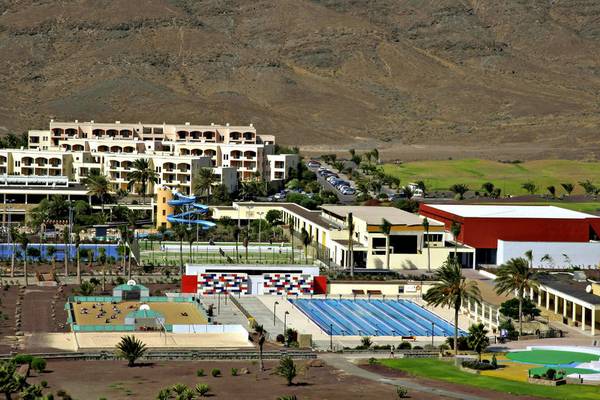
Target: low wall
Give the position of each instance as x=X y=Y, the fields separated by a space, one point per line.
x=210 y=329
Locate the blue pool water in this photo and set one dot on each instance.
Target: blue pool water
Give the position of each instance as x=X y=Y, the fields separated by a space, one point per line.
x=6 y=250
x=373 y=317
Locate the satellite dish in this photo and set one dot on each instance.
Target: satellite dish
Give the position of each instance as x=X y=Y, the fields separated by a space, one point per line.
x=131 y=282
x=144 y=307
x=588 y=289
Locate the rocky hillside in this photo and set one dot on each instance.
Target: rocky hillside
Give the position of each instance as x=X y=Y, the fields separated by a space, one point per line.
x=417 y=78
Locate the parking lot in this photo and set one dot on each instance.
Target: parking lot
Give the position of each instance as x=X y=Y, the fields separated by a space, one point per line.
x=343 y=198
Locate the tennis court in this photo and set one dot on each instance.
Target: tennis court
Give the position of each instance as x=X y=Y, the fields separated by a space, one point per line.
x=97 y=313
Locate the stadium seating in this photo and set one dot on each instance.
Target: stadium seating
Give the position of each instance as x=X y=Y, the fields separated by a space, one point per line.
x=373 y=317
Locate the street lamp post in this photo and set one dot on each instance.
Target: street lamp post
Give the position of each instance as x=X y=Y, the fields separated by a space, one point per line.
x=331 y=337
x=274 y=309
x=285 y=314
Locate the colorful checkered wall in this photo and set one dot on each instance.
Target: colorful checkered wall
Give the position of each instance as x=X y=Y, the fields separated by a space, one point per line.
x=289 y=284
x=222 y=283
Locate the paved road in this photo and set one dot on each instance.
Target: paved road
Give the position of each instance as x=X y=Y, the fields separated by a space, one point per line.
x=344 y=363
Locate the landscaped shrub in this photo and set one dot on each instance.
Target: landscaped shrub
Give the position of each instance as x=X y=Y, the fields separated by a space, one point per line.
x=480 y=366
x=202 y=389
x=372 y=361
x=381 y=347
x=402 y=392
x=462 y=343
x=418 y=348
x=550 y=374
x=200 y=372
x=44 y=384
x=280 y=338
x=38 y=364
x=494 y=361
x=234 y=371
x=536 y=376
x=405 y=346
x=365 y=342
x=215 y=372
x=23 y=359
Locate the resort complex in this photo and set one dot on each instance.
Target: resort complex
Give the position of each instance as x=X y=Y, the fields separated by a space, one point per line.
x=208 y=247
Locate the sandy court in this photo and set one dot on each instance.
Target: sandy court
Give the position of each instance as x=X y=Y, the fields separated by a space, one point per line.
x=175 y=313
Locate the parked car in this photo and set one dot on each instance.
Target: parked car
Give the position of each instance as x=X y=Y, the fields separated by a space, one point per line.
x=279 y=196
x=313 y=164
x=348 y=191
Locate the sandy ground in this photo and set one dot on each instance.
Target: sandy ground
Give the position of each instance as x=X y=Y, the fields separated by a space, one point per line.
x=108 y=340
x=114 y=380
x=173 y=312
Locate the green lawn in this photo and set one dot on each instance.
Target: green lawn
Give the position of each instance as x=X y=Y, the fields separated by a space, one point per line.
x=266 y=257
x=440 y=175
x=446 y=371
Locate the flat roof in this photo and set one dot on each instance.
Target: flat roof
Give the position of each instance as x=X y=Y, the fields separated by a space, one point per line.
x=508 y=211
x=375 y=215
x=564 y=283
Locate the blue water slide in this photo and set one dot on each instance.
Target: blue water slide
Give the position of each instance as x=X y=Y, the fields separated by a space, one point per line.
x=194 y=212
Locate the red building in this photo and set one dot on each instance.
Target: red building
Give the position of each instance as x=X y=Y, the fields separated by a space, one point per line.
x=483 y=225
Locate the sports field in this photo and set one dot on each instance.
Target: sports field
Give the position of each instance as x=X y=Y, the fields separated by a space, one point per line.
x=440 y=175
x=89 y=313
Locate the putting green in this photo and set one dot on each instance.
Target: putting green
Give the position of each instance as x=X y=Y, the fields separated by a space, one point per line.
x=550 y=357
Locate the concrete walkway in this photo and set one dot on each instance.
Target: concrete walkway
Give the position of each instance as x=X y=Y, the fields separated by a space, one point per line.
x=344 y=363
x=262 y=315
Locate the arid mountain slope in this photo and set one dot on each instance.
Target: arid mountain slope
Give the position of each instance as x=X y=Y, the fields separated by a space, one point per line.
x=417 y=78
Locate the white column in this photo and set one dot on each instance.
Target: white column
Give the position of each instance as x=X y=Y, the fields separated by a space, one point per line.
x=539 y=297
x=582 y=318
x=531 y=294
x=593 y=321
x=574 y=312
x=565 y=308
x=476 y=311
x=547 y=300
x=556 y=304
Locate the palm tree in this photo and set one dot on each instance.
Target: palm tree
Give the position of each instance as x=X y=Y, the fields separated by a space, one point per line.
x=455 y=228
x=236 y=236
x=459 y=189
x=131 y=349
x=24 y=243
x=516 y=275
x=386 y=228
x=306 y=239
x=191 y=238
x=451 y=290
x=530 y=187
x=66 y=242
x=86 y=289
x=203 y=181
x=426 y=229
x=478 y=339
x=97 y=185
x=51 y=252
x=350 y=224
x=568 y=187
x=142 y=174
x=287 y=369
x=77 y=243
x=102 y=260
x=291 y=229
x=245 y=243
x=552 y=190
x=181 y=232
x=261 y=334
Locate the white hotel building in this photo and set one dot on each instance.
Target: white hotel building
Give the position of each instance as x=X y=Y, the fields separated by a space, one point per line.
x=69 y=151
